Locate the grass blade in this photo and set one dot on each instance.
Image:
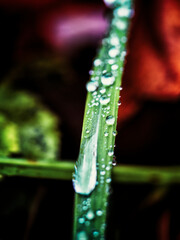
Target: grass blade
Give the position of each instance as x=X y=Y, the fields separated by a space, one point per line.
x=92 y=176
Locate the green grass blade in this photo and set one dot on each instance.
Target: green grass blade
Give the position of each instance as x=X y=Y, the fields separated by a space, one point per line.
x=92 y=176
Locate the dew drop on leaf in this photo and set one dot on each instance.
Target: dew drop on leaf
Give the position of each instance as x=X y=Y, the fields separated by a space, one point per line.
x=104 y=100
x=99 y=212
x=90 y=215
x=110 y=153
x=91 y=86
x=107 y=78
x=113 y=52
x=110 y=120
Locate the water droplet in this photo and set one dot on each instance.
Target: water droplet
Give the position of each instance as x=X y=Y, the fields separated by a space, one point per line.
x=102 y=90
x=110 y=120
x=104 y=100
x=124 y=39
x=102 y=173
x=90 y=215
x=108 y=168
x=103 y=166
x=107 y=79
x=113 y=52
x=95 y=234
x=87 y=131
x=120 y=24
x=99 y=212
x=114 y=161
x=123 y=12
x=114 y=67
x=91 y=86
x=85 y=208
x=82 y=236
x=111 y=61
x=114 y=133
x=81 y=220
x=114 y=40
x=97 y=62
x=87 y=223
x=91 y=72
x=110 y=153
x=109 y=2
x=123 y=54
x=119 y=103
x=106 y=134
x=108 y=180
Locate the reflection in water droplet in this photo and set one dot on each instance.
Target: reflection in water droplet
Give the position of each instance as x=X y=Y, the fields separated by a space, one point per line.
x=107 y=79
x=110 y=120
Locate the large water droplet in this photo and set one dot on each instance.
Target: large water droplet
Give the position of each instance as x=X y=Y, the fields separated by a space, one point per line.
x=91 y=86
x=90 y=215
x=107 y=79
x=85 y=175
x=110 y=120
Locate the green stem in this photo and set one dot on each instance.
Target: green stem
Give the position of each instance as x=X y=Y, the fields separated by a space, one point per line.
x=62 y=170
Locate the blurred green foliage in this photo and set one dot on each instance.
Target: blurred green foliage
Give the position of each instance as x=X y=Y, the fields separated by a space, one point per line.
x=27 y=128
